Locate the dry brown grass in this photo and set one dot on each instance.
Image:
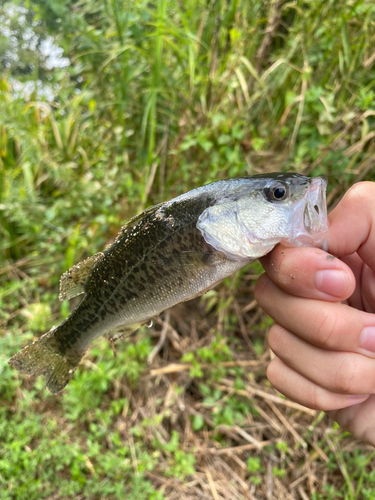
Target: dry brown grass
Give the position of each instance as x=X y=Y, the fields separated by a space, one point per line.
x=313 y=454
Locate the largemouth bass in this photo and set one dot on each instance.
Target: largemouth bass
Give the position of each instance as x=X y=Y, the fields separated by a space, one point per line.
x=173 y=252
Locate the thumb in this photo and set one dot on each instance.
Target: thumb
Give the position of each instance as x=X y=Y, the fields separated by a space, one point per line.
x=352 y=224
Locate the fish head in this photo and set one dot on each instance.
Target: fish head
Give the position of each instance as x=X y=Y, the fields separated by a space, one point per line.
x=261 y=211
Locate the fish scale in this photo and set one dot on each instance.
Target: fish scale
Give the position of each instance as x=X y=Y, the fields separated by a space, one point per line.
x=173 y=252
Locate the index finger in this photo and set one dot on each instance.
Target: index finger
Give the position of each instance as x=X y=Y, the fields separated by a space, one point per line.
x=309 y=273
x=333 y=326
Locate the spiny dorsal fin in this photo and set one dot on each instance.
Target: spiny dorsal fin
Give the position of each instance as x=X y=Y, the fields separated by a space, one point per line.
x=73 y=281
x=138 y=218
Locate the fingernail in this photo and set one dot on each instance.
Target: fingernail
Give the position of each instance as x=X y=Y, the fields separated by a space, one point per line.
x=367 y=338
x=332 y=281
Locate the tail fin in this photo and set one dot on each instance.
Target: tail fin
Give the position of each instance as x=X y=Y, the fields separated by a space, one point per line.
x=45 y=357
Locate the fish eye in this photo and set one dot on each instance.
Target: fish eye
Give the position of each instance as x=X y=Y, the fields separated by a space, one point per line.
x=276 y=193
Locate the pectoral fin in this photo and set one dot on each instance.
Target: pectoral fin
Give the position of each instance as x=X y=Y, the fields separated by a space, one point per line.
x=122 y=332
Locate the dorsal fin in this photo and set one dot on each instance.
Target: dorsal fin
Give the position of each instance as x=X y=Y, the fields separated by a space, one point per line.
x=73 y=281
x=138 y=218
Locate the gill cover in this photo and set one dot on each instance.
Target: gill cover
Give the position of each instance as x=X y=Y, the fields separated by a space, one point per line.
x=292 y=211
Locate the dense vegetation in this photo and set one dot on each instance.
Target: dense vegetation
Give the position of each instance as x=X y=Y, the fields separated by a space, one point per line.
x=155 y=98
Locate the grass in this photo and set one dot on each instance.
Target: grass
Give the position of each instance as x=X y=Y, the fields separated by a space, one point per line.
x=160 y=98
x=201 y=420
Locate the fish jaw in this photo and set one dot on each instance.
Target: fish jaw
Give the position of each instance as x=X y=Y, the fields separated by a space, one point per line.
x=308 y=218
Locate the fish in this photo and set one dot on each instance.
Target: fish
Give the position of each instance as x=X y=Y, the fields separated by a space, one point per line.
x=173 y=252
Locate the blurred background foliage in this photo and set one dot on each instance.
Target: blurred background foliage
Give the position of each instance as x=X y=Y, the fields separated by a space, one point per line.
x=109 y=106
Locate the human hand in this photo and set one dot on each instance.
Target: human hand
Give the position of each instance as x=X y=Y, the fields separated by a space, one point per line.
x=324 y=309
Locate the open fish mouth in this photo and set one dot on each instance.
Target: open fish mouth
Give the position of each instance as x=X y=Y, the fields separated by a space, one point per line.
x=310 y=229
x=315 y=214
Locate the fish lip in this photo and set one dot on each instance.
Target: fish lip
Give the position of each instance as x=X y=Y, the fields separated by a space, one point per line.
x=311 y=227
x=316 y=201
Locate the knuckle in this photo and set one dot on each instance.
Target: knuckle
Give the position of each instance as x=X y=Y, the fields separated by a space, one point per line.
x=276 y=339
x=326 y=329
x=318 y=400
x=345 y=380
x=271 y=371
x=263 y=290
x=260 y=286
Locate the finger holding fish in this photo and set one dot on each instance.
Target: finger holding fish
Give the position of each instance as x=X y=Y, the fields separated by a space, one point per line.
x=294 y=275
x=324 y=339
x=351 y=224
x=347 y=272
x=310 y=273
x=334 y=326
